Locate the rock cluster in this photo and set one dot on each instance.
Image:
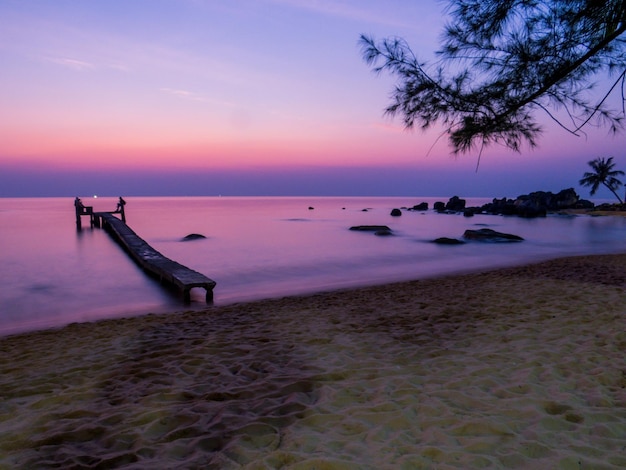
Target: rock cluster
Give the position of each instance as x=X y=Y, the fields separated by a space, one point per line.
x=535 y=204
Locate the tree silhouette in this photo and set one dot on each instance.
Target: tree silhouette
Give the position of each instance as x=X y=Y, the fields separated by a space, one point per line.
x=502 y=60
x=603 y=174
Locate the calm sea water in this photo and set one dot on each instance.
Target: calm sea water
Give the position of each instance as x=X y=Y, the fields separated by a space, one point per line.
x=51 y=274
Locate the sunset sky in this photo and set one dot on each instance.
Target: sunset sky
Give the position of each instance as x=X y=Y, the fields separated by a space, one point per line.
x=238 y=97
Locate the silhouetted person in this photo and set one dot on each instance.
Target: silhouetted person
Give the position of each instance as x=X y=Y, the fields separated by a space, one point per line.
x=120 y=205
x=80 y=210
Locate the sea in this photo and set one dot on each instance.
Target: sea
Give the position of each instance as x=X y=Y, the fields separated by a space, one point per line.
x=53 y=274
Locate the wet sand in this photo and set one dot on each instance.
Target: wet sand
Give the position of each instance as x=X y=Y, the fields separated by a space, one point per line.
x=522 y=367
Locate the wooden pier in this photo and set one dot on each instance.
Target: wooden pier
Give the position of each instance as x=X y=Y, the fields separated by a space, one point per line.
x=150 y=260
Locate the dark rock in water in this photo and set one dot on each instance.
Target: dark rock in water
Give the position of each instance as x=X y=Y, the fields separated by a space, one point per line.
x=311 y=208
x=422 y=206
x=564 y=199
x=468 y=213
x=383 y=233
x=193 y=236
x=531 y=210
x=448 y=241
x=370 y=228
x=439 y=206
x=455 y=204
x=396 y=212
x=489 y=235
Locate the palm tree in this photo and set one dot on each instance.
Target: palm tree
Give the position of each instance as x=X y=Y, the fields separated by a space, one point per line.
x=603 y=173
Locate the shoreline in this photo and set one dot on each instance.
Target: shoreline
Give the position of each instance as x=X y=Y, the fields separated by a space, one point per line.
x=250 y=304
x=34 y=300
x=522 y=366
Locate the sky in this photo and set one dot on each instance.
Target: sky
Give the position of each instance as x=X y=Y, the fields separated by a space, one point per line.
x=238 y=97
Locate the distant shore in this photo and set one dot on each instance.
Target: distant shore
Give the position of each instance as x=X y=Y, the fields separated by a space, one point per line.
x=594 y=212
x=519 y=367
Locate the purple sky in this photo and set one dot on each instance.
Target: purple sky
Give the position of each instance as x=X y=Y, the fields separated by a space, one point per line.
x=259 y=97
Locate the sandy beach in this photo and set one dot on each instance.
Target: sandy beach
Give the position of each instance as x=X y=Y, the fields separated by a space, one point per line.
x=522 y=367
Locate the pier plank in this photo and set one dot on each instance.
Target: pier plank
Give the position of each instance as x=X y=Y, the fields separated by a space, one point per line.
x=156 y=264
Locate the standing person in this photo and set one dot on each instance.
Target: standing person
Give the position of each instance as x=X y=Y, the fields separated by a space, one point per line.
x=80 y=210
x=120 y=204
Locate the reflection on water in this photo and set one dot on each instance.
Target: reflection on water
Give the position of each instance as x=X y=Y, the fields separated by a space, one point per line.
x=255 y=248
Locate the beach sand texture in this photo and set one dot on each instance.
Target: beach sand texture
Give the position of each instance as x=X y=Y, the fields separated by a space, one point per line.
x=522 y=367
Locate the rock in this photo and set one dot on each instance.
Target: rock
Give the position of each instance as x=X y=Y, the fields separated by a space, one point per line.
x=502 y=206
x=311 y=208
x=192 y=236
x=439 y=206
x=448 y=241
x=370 y=228
x=584 y=204
x=396 y=212
x=468 y=213
x=565 y=199
x=422 y=206
x=529 y=208
x=380 y=230
x=489 y=235
x=455 y=204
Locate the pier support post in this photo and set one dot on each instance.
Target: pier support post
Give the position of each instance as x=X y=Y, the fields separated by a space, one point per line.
x=78 y=206
x=79 y=225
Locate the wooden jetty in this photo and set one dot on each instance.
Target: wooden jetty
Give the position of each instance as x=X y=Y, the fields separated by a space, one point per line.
x=94 y=221
x=150 y=260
